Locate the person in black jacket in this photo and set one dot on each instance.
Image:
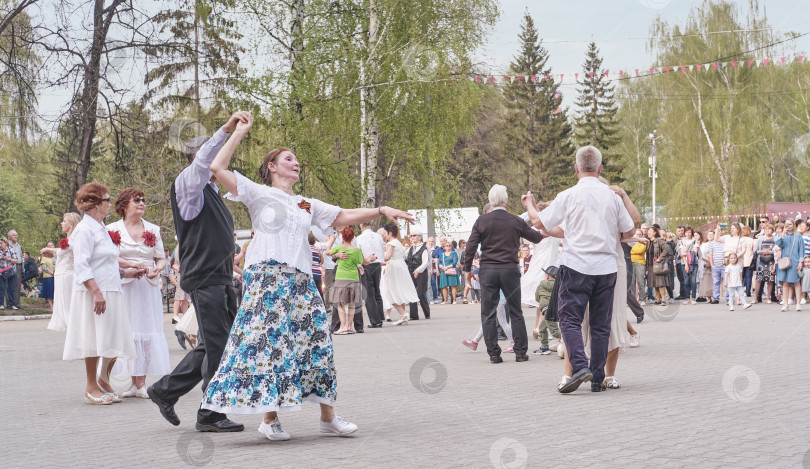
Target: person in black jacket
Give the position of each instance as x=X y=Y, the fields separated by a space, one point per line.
x=499 y=232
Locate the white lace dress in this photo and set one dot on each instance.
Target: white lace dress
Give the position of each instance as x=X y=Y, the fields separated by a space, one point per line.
x=545 y=254
x=399 y=287
x=143 y=301
x=63 y=289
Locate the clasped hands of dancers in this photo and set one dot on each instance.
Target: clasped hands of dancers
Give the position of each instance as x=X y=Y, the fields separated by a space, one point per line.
x=270 y=355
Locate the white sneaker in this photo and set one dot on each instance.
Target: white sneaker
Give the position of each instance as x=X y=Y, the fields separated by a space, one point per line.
x=643 y=303
x=731 y=308
x=141 y=392
x=747 y=305
x=798 y=308
x=804 y=301
x=791 y=302
x=273 y=431
x=338 y=426
x=635 y=340
x=782 y=302
x=784 y=308
x=130 y=392
x=553 y=345
x=561 y=351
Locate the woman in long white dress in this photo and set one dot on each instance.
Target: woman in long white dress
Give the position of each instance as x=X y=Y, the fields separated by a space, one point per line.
x=141 y=245
x=63 y=277
x=545 y=254
x=97 y=324
x=399 y=290
x=386 y=305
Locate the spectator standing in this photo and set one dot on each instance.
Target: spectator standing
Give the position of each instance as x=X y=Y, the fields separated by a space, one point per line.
x=689 y=261
x=8 y=275
x=716 y=263
x=46 y=268
x=417 y=260
x=765 y=264
x=748 y=259
x=18 y=255
x=790 y=246
x=638 y=256
x=30 y=268
x=680 y=271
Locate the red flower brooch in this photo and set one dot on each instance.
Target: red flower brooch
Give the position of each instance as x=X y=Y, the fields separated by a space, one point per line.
x=115 y=237
x=63 y=243
x=149 y=238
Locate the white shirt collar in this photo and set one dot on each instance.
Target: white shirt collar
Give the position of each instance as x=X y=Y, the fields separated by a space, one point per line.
x=498 y=208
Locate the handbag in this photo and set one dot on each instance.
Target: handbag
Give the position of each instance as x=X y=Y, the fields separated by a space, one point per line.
x=550 y=313
x=660 y=268
x=451 y=271
x=8 y=272
x=784 y=262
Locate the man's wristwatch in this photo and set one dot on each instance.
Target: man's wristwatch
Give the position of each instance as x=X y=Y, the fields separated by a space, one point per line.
x=121 y=272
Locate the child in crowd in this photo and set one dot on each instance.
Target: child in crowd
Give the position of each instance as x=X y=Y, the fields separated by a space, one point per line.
x=733 y=282
x=542 y=327
x=475 y=285
x=804 y=274
x=181 y=298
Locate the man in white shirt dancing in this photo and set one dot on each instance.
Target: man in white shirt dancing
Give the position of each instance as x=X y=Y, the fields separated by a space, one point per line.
x=370 y=243
x=593 y=216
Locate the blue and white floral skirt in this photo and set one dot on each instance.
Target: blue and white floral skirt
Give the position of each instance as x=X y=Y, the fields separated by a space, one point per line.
x=279 y=352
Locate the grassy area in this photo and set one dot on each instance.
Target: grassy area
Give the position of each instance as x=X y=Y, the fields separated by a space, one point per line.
x=28 y=307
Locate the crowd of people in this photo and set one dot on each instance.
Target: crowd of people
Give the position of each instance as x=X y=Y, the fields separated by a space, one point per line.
x=260 y=318
x=711 y=267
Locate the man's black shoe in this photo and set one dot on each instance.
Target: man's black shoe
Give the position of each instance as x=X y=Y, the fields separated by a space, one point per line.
x=181 y=337
x=166 y=409
x=582 y=376
x=374 y=326
x=681 y=298
x=358 y=331
x=639 y=319
x=414 y=319
x=501 y=337
x=497 y=359
x=598 y=387
x=221 y=426
x=522 y=358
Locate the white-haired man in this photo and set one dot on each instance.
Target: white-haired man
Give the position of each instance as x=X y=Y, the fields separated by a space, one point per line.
x=417 y=259
x=499 y=232
x=593 y=216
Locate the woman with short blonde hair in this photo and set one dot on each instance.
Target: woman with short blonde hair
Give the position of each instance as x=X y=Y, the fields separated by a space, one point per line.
x=63 y=277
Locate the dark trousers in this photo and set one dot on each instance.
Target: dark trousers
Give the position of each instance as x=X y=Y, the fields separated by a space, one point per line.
x=492 y=282
x=18 y=285
x=578 y=291
x=374 y=302
x=748 y=277
x=216 y=310
x=7 y=290
x=634 y=305
x=682 y=293
x=420 y=282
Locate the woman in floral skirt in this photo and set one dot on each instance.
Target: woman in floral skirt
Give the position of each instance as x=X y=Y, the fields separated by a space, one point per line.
x=280 y=352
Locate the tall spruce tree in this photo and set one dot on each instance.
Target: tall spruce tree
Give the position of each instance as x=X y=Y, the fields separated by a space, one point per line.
x=596 y=123
x=536 y=124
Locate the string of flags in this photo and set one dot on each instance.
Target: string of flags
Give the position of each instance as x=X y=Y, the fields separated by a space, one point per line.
x=623 y=74
x=736 y=216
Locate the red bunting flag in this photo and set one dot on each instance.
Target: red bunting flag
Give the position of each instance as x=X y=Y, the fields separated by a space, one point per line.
x=621 y=73
x=749 y=63
x=666 y=69
x=506 y=79
x=800 y=58
x=548 y=77
x=652 y=70
x=698 y=67
x=491 y=80
x=590 y=74
x=534 y=77
x=683 y=68
x=733 y=64
x=576 y=76
x=518 y=78
x=606 y=72
x=715 y=65
x=636 y=72
x=765 y=62
x=562 y=75
x=783 y=60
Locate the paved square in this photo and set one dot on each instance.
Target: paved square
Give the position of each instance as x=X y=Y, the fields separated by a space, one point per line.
x=708 y=388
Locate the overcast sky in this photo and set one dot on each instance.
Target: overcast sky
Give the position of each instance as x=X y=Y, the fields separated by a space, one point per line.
x=619 y=27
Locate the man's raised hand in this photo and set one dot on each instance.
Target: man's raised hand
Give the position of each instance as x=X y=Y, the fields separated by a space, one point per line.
x=240 y=116
x=527 y=199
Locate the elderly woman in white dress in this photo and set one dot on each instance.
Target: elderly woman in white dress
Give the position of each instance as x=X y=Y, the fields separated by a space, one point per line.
x=280 y=352
x=399 y=290
x=97 y=324
x=63 y=275
x=141 y=245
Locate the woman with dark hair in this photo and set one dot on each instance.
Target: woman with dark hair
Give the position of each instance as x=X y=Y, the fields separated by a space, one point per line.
x=790 y=246
x=97 y=322
x=141 y=245
x=280 y=351
x=399 y=289
x=347 y=289
x=690 y=255
x=658 y=253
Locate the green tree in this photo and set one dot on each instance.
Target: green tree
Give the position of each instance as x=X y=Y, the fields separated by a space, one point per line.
x=595 y=123
x=540 y=135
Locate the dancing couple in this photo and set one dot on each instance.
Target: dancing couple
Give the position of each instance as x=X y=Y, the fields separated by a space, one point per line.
x=276 y=352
